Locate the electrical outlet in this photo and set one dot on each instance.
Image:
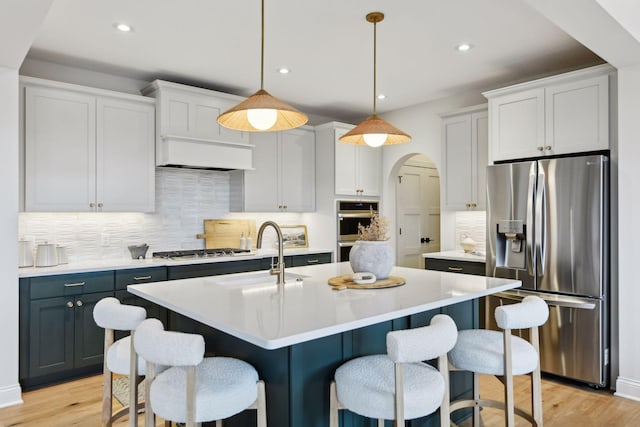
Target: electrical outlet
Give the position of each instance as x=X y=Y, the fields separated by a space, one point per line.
x=105 y=239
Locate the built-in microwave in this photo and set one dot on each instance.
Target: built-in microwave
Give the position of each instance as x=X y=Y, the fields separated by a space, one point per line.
x=350 y=214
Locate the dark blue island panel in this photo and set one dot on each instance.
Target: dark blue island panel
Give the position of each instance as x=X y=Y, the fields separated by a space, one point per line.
x=297 y=377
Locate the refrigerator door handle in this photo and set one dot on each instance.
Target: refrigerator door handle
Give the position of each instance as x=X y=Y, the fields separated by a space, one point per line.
x=557 y=301
x=530 y=216
x=541 y=221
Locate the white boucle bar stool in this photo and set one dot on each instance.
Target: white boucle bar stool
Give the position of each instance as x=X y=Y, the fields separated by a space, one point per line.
x=184 y=386
x=119 y=356
x=398 y=385
x=502 y=354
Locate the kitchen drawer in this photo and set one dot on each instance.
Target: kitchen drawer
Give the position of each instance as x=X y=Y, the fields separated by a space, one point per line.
x=139 y=275
x=452 y=266
x=311 y=259
x=71 y=284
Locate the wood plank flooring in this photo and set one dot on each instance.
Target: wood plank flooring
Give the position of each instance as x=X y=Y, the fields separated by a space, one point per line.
x=77 y=403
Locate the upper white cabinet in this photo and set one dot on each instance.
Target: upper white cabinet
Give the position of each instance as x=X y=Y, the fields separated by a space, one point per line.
x=188 y=133
x=357 y=168
x=563 y=114
x=465 y=158
x=86 y=149
x=283 y=178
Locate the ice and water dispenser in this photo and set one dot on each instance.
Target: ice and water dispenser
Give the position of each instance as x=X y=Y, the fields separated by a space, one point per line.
x=511 y=244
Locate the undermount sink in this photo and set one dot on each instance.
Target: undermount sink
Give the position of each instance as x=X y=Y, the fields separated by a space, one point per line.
x=253 y=278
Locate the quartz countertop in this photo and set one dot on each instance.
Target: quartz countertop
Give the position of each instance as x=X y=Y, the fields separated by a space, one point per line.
x=250 y=306
x=458 y=255
x=126 y=263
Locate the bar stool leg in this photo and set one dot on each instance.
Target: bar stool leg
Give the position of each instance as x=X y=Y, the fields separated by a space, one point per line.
x=536 y=382
x=476 y=397
x=508 y=381
x=333 y=405
x=107 y=378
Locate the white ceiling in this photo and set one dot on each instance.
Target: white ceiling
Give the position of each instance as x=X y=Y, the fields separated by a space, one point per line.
x=328 y=45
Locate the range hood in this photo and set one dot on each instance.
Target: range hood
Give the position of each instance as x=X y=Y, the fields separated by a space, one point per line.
x=187 y=131
x=195 y=153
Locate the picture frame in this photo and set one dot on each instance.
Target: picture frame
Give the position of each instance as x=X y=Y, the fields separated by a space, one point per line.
x=294 y=236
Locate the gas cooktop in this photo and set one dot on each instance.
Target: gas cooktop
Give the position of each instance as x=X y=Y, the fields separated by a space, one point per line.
x=201 y=253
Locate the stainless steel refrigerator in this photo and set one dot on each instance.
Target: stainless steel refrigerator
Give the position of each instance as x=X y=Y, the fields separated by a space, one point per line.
x=548 y=226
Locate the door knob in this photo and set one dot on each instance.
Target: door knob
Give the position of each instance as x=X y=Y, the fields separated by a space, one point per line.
x=425 y=240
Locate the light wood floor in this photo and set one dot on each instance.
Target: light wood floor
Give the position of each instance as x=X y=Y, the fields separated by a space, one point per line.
x=77 y=403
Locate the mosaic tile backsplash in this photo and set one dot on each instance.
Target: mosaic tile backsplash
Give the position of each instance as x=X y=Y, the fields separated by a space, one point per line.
x=472 y=224
x=184 y=198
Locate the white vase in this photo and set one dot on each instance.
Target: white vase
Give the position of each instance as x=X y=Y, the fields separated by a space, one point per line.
x=372 y=256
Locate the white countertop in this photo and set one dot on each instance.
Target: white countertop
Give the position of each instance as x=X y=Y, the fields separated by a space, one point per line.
x=271 y=317
x=126 y=263
x=457 y=256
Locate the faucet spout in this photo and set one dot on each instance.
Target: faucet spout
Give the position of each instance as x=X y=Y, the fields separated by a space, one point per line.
x=279 y=267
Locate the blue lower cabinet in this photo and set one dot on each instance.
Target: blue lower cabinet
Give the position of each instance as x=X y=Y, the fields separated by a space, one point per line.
x=297 y=377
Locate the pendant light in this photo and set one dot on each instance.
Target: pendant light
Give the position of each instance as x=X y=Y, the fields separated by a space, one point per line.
x=262 y=112
x=375 y=131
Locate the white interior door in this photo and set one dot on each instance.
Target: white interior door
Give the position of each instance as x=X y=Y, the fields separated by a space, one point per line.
x=417 y=213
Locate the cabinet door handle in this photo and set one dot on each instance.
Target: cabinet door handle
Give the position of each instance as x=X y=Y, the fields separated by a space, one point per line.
x=313 y=261
x=71 y=285
x=548 y=147
x=474 y=205
x=92 y=205
x=142 y=278
x=455 y=268
x=69 y=304
x=79 y=303
x=468 y=205
x=99 y=205
x=284 y=206
x=540 y=148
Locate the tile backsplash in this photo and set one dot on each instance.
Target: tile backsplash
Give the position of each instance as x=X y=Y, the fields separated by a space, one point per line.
x=184 y=198
x=472 y=224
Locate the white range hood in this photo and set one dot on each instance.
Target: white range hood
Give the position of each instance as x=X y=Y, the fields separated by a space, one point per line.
x=186 y=152
x=187 y=131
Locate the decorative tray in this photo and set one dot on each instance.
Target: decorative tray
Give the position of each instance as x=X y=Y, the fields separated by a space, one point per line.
x=345 y=282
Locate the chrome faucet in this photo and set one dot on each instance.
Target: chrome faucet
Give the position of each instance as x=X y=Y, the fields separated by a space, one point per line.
x=278 y=268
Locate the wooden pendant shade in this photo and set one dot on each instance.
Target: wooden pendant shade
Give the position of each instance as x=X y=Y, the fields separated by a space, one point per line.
x=375 y=125
x=236 y=117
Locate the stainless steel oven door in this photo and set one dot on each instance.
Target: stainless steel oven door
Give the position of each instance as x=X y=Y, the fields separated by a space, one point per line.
x=348 y=224
x=343 y=250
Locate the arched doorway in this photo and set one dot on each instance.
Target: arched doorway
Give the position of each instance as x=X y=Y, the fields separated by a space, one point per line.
x=417 y=210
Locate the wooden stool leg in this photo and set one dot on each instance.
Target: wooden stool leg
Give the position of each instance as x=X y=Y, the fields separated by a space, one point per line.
x=536 y=382
x=149 y=416
x=107 y=385
x=381 y=423
x=508 y=381
x=218 y=423
x=262 y=406
x=133 y=385
x=333 y=405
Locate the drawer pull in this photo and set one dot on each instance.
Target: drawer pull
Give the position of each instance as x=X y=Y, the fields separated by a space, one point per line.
x=142 y=278
x=313 y=261
x=71 y=285
x=455 y=269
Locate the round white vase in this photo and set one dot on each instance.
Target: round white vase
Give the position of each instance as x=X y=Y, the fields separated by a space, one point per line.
x=372 y=256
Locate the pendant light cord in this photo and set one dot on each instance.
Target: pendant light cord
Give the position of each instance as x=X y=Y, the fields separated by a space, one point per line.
x=262 y=48
x=374 y=66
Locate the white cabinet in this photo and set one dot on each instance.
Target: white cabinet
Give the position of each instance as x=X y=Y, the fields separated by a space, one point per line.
x=357 y=168
x=188 y=133
x=87 y=150
x=556 y=115
x=283 y=178
x=465 y=159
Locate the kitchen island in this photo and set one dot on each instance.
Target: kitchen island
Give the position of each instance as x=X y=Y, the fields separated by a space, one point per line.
x=298 y=335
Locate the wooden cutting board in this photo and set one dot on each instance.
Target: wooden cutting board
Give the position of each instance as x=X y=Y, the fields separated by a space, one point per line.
x=225 y=233
x=344 y=282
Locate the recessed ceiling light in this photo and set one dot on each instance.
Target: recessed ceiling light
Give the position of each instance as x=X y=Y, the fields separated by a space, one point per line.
x=123 y=27
x=463 y=47
x=382 y=96
x=284 y=70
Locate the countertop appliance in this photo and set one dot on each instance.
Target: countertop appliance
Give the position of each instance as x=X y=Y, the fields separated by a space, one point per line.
x=547 y=225
x=201 y=253
x=351 y=213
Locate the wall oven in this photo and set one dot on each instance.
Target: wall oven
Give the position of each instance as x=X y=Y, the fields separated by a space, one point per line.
x=350 y=213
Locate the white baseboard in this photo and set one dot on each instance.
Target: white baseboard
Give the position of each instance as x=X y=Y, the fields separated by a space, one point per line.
x=10 y=395
x=628 y=388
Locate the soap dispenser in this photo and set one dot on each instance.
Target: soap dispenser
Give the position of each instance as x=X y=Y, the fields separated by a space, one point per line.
x=242 y=241
x=249 y=242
